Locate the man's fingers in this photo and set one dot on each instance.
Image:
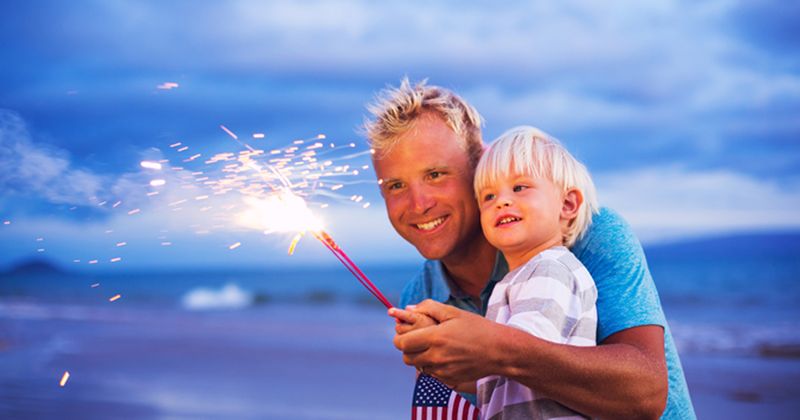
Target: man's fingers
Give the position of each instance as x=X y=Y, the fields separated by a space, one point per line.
x=414 y=341
x=438 y=311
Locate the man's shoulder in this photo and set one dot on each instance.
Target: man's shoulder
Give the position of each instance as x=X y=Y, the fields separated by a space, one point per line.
x=426 y=284
x=608 y=237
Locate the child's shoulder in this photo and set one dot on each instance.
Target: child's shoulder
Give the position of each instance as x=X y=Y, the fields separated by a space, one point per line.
x=556 y=263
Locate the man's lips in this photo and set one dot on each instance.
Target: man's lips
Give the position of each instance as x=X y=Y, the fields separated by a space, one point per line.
x=430 y=225
x=506 y=219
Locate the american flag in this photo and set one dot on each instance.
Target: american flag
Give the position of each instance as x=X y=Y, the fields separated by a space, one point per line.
x=433 y=400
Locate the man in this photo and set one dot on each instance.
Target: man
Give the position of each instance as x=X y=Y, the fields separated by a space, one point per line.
x=427 y=142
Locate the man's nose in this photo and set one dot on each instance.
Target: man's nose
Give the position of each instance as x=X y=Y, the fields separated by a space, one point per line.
x=422 y=199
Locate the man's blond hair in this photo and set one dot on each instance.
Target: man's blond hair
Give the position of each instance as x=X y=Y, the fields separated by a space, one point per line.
x=395 y=110
x=530 y=151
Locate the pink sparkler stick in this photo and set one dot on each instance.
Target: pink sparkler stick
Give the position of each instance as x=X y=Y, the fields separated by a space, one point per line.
x=329 y=243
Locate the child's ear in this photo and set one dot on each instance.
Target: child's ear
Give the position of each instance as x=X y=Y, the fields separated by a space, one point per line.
x=573 y=199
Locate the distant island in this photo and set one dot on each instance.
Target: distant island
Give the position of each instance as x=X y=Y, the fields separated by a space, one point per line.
x=33 y=266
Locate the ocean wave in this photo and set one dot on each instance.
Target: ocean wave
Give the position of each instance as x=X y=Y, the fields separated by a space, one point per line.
x=230 y=296
x=741 y=339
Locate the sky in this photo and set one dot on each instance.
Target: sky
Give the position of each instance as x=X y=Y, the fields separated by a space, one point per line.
x=686 y=113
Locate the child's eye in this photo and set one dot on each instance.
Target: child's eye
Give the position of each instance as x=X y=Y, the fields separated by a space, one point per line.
x=488 y=197
x=518 y=188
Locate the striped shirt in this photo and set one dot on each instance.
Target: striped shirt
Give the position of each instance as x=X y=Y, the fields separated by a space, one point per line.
x=553 y=297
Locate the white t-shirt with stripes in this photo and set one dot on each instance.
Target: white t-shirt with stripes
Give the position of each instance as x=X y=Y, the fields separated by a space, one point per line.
x=553 y=297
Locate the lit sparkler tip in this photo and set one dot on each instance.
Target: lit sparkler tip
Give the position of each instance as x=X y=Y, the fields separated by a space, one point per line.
x=157 y=182
x=150 y=165
x=234 y=246
x=115 y=297
x=64 y=379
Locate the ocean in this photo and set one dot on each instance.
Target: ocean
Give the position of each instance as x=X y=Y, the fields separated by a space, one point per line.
x=312 y=343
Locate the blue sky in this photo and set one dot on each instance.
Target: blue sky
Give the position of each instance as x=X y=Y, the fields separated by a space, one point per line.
x=685 y=112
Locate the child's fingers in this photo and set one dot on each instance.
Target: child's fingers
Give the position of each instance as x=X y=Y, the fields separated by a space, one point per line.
x=402 y=315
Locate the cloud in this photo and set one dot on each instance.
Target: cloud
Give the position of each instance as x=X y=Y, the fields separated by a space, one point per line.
x=29 y=168
x=672 y=201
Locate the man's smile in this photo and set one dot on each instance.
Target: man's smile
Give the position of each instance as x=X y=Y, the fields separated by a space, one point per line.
x=433 y=224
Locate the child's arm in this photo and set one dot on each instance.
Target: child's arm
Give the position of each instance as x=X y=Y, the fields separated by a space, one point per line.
x=408 y=320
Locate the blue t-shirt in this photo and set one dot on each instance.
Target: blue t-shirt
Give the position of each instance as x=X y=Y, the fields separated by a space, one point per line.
x=626 y=294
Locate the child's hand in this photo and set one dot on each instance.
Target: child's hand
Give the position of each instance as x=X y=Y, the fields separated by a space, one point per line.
x=408 y=320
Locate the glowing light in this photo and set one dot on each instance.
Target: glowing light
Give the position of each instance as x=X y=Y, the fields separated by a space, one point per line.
x=157 y=182
x=281 y=212
x=234 y=246
x=64 y=379
x=258 y=135
x=115 y=297
x=150 y=165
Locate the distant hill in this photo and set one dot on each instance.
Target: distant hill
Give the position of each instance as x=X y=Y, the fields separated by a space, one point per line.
x=745 y=245
x=35 y=266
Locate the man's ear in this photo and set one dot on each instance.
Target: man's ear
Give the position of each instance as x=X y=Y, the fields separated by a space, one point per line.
x=571 y=203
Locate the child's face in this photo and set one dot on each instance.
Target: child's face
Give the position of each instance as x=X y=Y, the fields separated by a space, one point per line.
x=521 y=216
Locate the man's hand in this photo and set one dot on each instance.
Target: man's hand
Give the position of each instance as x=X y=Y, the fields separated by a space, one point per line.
x=454 y=350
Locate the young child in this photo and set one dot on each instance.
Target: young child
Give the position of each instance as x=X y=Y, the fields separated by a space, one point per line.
x=535 y=201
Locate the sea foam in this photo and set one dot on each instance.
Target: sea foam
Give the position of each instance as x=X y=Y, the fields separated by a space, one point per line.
x=230 y=296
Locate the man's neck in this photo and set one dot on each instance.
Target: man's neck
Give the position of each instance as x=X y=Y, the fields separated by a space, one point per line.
x=470 y=270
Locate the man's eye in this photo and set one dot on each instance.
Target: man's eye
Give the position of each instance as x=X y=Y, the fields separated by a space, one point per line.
x=435 y=174
x=518 y=188
x=394 y=186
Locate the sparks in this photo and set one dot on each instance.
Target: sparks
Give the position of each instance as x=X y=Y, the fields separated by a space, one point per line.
x=234 y=246
x=64 y=379
x=157 y=182
x=230 y=133
x=115 y=297
x=295 y=240
x=150 y=165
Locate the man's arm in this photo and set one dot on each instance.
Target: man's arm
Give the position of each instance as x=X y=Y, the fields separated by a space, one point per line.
x=625 y=377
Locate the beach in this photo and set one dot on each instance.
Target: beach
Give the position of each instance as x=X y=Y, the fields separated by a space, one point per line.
x=312 y=344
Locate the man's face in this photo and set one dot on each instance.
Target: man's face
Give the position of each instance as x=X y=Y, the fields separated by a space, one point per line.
x=426 y=181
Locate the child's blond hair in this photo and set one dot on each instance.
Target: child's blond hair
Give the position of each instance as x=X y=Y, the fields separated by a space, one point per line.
x=530 y=151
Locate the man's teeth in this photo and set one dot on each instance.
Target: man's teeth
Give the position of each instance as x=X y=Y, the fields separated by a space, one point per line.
x=508 y=220
x=430 y=225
